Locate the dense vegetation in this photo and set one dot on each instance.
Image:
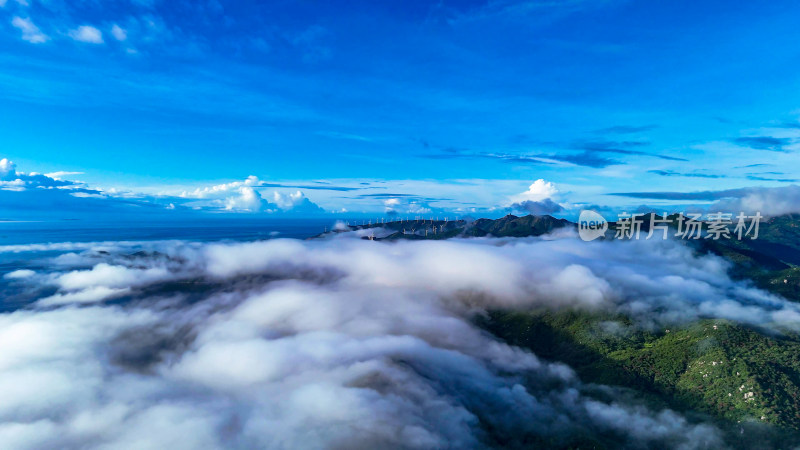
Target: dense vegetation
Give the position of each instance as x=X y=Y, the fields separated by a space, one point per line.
x=713 y=366
x=737 y=375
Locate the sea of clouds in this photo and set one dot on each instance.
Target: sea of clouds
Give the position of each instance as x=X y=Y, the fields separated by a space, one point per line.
x=336 y=343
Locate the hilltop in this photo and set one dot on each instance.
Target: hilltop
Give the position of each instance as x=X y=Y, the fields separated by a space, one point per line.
x=508 y=226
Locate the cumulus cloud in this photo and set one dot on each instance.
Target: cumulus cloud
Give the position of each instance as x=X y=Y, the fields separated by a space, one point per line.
x=247 y=200
x=34 y=194
x=338 y=343
x=296 y=202
x=538 y=191
x=243 y=196
x=8 y=170
x=30 y=32
x=12 y=179
x=87 y=33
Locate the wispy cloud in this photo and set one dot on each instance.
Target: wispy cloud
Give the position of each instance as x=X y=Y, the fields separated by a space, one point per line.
x=768 y=143
x=119 y=33
x=622 y=148
x=672 y=195
x=626 y=129
x=763 y=178
x=345 y=136
x=670 y=173
x=540 y=10
x=579 y=153
x=767 y=201
x=586 y=158
x=30 y=32
x=88 y=34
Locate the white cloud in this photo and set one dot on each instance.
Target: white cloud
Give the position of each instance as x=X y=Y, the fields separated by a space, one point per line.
x=61 y=174
x=110 y=276
x=8 y=170
x=30 y=32
x=296 y=202
x=215 y=190
x=19 y=274
x=767 y=201
x=89 y=295
x=11 y=178
x=366 y=344
x=119 y=33
x=405 y=206
x=238 y=196
x=287 y=201
x=248 y=200
x=87 y=33
x=538 y=191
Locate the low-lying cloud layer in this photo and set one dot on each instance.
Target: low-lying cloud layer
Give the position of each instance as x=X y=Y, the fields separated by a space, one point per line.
x=343 y=343
x=768 y=201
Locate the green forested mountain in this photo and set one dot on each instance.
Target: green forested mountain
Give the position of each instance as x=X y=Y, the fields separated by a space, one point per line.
x=739 y=375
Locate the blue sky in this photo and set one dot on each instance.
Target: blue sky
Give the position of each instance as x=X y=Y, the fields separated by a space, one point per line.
x=397 y=106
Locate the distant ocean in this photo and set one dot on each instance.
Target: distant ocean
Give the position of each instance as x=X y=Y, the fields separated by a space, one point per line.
x=204 y=230
x=34 y=245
